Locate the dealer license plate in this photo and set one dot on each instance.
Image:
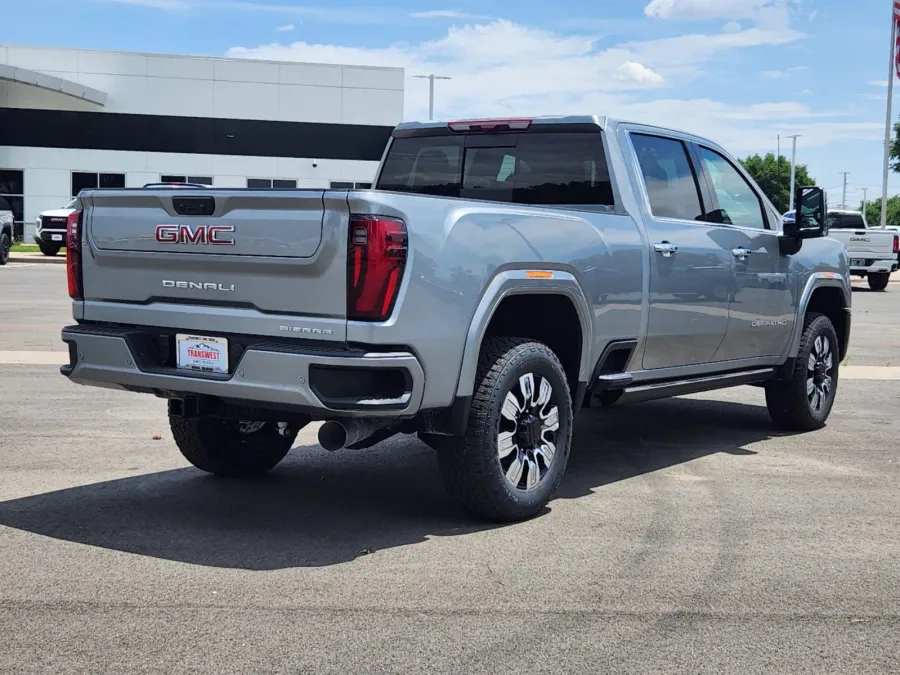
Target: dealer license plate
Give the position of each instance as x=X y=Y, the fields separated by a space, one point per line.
x=199 y=352
x=857 y=263
x=56 y=237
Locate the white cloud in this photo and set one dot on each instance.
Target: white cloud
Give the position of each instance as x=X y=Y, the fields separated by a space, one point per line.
x=731 y=27
x=637 y=73
x=708 y=9
x=806 y=92
x=879 y=83
x=775 y=74
x=503 y=68
x=446 y=14
x=286 y=28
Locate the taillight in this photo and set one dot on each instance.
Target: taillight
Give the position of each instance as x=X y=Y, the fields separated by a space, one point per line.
x=896 y=243
x=73 y=255
x=375 y=264
x=521 y=124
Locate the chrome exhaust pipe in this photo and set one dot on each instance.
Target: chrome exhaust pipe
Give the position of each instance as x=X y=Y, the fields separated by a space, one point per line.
x=334 y=435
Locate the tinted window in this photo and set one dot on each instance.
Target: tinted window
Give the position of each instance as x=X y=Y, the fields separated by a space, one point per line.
x=82 y=181
x=171 y=178
x=537 y=168
x=559 y=169
x=111 y=180
x=284 y=183
x=738 y=203
x=341 y=185
x=265 y=183
x=427 y=166
x=4 y=205
x=668 y=176
x=852 y=221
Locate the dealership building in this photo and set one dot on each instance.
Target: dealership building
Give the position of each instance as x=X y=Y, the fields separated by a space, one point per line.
x=72 y=119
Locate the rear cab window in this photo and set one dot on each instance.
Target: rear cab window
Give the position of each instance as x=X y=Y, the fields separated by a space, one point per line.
x=535 y=167
x=846 y=221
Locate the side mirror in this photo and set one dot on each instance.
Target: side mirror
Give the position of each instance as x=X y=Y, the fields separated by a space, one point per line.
x=811 y=215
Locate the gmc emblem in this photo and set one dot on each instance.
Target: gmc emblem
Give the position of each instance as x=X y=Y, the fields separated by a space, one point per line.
x=199 y=234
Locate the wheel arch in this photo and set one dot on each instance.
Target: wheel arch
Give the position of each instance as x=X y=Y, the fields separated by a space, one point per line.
x=547 y=288
x=828 y=294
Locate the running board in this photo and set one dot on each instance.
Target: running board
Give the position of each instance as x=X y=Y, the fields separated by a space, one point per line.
x=649 y=392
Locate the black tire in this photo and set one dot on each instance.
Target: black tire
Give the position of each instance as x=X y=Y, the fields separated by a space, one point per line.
x=5 y=246
x=790 y=405
x=219 y=446
x=878 y=282
x=471 y=466
x=49 y=249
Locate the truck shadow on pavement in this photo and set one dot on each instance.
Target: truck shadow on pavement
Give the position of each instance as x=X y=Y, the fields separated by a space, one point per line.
x=318 y=509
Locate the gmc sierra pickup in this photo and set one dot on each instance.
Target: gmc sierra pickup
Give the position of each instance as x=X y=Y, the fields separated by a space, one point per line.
x=501 y=275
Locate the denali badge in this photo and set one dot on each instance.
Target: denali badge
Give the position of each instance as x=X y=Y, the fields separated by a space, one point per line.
x=768 y=323
x=199 y=285
x=199 y=234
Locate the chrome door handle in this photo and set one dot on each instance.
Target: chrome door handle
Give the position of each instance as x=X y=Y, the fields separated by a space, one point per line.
x=741 y=253
x=667 y=249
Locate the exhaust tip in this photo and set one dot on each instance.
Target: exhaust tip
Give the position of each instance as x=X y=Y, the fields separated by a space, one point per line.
x=332 y=436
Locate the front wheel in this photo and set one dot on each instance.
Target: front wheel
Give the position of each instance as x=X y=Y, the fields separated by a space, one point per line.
x=878 y=282
x=804 y=400
x=514 y=452
x=5 y=246
x=230 y=448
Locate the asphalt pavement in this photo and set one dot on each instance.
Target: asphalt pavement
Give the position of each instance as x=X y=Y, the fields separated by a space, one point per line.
x=687 y=537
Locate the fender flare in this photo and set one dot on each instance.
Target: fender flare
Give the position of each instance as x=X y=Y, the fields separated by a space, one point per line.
x=816 y=281
x=518 y=282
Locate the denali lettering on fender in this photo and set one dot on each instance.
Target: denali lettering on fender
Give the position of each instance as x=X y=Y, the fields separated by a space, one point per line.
x=199 y=234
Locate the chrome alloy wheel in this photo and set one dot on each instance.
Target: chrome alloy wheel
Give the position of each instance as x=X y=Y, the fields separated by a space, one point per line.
x=819 y=373
x=529 y=421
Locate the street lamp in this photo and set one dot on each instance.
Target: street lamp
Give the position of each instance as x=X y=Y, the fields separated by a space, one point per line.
x=793 y=167
x=431 y=78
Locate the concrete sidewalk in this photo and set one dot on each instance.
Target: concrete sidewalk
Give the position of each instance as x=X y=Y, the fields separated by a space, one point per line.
x=37 y=257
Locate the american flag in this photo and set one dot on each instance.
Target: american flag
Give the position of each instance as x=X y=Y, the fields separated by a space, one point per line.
x=897 y=37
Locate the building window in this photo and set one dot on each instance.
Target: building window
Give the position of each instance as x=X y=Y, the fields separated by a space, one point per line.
x=12 y=187
x=272 y=183
x=82 y=180
x=347 y=185
x=198 y=180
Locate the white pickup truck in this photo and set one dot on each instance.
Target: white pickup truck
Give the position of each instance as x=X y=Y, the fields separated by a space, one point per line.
x=873 y=251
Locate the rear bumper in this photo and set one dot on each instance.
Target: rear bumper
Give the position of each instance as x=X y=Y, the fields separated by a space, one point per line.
x=874 y=266
x=298 y=378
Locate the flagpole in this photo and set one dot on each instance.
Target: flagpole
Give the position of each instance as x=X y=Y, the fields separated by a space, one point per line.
x=887 y=125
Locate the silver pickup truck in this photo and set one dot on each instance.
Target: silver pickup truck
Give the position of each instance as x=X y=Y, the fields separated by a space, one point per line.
x=502 y=275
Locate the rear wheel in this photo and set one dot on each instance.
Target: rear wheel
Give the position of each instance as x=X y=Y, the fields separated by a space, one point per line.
x=48 y=249
x=516 y=445
x=5 y=246
x=803 y=402
x=878 y=282
x=229 y=447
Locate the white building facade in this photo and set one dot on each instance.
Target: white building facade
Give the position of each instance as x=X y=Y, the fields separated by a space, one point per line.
x=71 y=119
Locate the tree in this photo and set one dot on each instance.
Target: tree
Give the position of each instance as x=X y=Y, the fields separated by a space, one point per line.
x=895 y=151
x=774 y=177
x=873 y=211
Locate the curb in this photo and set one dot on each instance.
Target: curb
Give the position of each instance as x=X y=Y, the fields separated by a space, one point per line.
x=39 y=258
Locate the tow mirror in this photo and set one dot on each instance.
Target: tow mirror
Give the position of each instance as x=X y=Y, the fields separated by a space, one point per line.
x=810 y=220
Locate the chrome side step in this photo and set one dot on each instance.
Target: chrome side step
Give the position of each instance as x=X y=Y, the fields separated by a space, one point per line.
x=655 y=390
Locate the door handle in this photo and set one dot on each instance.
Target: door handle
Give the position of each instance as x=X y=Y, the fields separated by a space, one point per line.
x=741 y=253
x=667 y=249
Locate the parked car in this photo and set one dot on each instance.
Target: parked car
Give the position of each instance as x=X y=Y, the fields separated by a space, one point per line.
x=502 y=275
x=6 y=230
x=874 y=252
x=50 y=229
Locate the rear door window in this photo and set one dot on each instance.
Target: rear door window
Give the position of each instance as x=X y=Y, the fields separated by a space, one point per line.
x=671 y=183
x=541 y=168
x=846 y=221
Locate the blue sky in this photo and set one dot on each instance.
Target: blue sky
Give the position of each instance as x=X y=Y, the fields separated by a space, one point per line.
x=737 y=71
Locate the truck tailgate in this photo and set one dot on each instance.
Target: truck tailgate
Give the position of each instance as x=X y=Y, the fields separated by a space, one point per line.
x=872 y=242
x=250 y=253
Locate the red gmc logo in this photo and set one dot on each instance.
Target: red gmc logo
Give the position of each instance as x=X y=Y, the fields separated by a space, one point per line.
x=199 y=234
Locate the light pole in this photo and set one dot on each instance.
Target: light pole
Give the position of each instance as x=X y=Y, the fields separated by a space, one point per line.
x=431 y=78
x=793 y=167
x=844 y=191
x=865 y=194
